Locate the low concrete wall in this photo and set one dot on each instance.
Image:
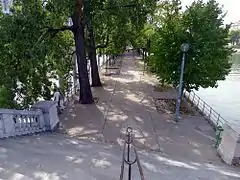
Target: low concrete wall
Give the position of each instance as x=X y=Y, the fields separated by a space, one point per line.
x=50 y=113
x=229 y=148
x=228 y=139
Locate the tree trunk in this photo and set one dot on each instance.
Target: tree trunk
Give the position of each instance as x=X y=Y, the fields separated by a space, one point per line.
x=85 y=89
x=93 y=60
x=78 y=32
x=143 y=54
x=92 y=51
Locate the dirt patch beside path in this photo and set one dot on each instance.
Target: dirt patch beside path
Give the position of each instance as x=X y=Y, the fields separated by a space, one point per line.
x=168 y=106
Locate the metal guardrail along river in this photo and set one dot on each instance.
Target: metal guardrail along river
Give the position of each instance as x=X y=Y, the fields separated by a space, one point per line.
x=207 y=111
x=213 y=117
x=126 y=158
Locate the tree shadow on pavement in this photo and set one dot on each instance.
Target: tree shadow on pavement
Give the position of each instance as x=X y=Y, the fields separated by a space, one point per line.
x=127 y=100
x=167 y=150
x=57 y=156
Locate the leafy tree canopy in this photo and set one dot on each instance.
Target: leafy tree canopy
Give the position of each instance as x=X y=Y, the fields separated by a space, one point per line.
x=30 y=56
x=200 y=25
x=37 y=42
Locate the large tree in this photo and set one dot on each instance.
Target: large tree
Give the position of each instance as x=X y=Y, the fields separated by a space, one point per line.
x=201 y=25
x=30 y=56
x=38 y=42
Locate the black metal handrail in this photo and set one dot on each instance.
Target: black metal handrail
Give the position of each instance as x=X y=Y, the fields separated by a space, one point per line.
x=129 y=143
x=215 y=118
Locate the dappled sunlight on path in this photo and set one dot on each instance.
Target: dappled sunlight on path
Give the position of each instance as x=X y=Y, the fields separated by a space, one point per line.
x=91 y=148
x=57 y=157
x=124 y=100
x=127 y=99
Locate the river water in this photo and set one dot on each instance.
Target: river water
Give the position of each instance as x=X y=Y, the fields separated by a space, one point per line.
x=225 y=99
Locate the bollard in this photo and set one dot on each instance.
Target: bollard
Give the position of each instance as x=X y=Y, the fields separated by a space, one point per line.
x=129 y=143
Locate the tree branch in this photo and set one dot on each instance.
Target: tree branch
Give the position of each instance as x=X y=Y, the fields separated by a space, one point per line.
x=73 y=53
x=119 y=6
x=103 y=45
x=54 y=31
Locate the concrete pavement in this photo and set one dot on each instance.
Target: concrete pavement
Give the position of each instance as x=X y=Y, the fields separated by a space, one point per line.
x=127 y=99
x=58 y=157
x=91 y=149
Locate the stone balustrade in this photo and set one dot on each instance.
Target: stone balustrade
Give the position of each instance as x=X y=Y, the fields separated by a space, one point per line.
x=42 y=117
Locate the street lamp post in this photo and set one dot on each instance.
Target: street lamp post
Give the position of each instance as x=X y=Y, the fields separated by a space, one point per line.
x=184 y=50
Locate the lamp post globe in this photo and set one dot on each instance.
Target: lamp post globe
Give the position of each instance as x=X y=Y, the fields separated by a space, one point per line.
x=184 y=47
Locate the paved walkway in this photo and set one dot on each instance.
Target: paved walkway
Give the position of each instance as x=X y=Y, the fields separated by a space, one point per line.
x=126 y=100
x=167 y=151
x=59 y=157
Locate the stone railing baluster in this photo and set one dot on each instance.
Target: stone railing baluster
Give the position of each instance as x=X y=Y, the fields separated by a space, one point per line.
x=43 y=116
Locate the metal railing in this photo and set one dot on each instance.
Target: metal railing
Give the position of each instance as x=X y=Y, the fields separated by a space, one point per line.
x=213 y=117
x=129 y=144
x=113 y=64
x=71 y=91
x=205 y=109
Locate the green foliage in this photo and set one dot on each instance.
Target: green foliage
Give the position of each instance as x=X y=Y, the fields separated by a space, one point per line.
x=143 y=36
x=6 y=98
x=29 y=55
x=36 y=44
x=121 y=21
x=201 y=25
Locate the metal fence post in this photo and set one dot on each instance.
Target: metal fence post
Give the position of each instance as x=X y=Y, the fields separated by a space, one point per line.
x=128 y=153
x=198 y=102
x=218 y=119
x=210 y=112
x=204 y=106
x=129 y=143
x=193 y=99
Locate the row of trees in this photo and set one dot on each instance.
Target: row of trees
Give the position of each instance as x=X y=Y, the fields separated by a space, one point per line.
x=37 y=43
x=202 y=26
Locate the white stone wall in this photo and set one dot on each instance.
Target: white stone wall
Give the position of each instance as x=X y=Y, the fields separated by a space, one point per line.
x=50 y=113
x=42 y=117
x=20 y=122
